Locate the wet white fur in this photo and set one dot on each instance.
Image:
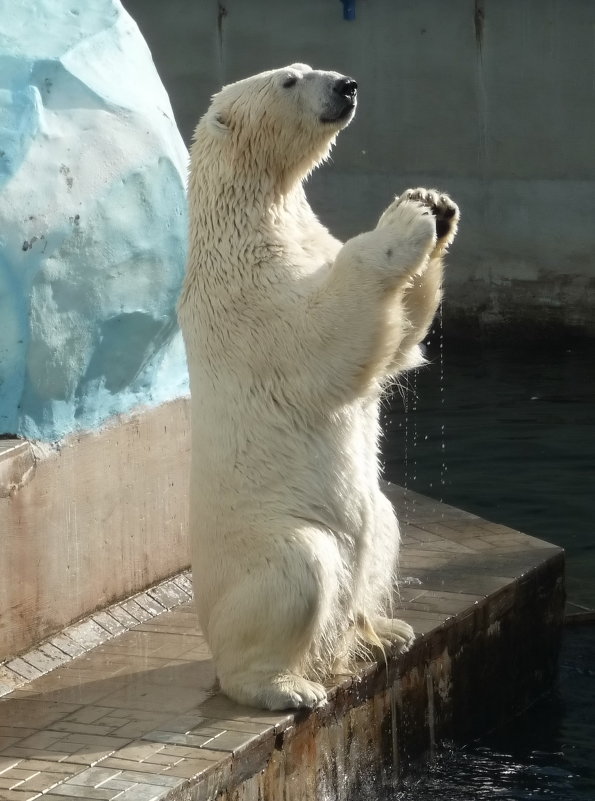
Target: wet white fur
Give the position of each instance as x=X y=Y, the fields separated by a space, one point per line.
x=290 y=337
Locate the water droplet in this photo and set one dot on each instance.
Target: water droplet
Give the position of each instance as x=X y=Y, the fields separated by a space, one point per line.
x=442 y=427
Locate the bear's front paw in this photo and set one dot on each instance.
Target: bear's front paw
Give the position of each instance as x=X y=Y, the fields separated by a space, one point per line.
x=444 y=210
x=408 y=231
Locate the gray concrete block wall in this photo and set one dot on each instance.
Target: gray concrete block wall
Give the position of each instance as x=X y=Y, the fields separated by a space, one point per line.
x=491 y=100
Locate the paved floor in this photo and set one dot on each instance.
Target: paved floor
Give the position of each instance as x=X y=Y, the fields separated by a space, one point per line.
x=137 y=716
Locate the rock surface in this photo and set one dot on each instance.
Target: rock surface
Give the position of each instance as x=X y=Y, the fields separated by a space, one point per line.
x=92 y=220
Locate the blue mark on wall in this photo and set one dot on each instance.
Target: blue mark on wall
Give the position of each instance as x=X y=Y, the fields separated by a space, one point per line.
x=348 y=9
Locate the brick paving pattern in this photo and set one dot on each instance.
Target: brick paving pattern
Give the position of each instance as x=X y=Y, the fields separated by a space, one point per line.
x=123 y=706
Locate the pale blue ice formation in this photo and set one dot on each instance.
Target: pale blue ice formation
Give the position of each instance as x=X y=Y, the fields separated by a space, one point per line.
x=92 y=220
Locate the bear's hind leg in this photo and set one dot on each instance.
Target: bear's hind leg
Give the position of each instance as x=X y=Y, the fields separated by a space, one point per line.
x=375 y=625
x=267 y=632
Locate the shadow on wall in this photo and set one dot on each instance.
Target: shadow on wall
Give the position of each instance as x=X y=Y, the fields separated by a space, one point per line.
x=93 y=221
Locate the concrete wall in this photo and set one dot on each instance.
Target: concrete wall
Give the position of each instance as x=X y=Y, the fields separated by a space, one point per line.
x=492 y=100
x=101 y=517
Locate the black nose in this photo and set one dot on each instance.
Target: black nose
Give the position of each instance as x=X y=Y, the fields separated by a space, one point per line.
x=346 y=87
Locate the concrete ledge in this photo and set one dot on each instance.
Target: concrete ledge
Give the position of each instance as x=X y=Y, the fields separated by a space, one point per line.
x=95 y=519
x=138 y=718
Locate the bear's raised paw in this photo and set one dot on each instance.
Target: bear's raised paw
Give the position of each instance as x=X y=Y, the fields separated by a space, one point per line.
x=442 y=207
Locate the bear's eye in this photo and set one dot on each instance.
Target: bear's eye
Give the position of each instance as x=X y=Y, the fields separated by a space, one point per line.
x=290 y=82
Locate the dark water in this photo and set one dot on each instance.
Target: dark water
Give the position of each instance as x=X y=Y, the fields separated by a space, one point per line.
x=509 y=433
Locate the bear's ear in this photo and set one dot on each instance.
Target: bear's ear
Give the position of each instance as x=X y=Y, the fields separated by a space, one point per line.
x=218 y=123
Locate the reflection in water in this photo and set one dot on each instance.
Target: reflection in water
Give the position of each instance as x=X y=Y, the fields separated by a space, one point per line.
x=545 y=754
x=508 y=433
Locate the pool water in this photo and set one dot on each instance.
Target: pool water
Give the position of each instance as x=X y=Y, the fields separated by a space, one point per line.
x=508 y=433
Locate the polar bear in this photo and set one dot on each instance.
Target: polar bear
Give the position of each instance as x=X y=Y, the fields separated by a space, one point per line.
x=291 y=337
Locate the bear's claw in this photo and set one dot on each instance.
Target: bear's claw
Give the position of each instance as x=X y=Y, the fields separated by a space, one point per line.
x=442 y=207
x=394 y=633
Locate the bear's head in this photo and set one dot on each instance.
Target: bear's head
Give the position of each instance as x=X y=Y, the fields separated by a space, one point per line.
x=281 y=123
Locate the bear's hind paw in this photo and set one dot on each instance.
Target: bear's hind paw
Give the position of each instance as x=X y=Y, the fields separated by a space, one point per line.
x=394 y=633
x=274 y=691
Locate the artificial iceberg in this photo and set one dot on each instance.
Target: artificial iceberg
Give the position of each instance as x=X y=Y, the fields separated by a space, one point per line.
x=92 y=220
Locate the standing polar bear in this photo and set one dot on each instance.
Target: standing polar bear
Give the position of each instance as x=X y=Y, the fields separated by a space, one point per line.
x=291 y=337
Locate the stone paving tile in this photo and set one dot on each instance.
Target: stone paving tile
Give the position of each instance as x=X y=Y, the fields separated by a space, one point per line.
x=31 y=753
x=182 y=752
x=56 y=653
x=9 y=680
x=168 y=595
x=146 y=643
x=40 y=781
x=19 y=795
x=34 y=766
x=149 y=603
x=429 y=542
x=15 y=731
x=36 y=713
x=42 y=739
x=160 y=779
x=7 y=741
x=82 y=793
x=24 y=669
x=150 y=697
x=6 y=763
x=466 y=582
x=233 y=741
x=136 y=611
x=171 y=738
x=10 y=779
x=89 y=714
x=189 y=768
x=64 y=643
x=136 y=728
x=181 y=623
x=109 y=623
x=424 y=622
x=184 y=581
x=219 y=706
x=436 y=601
x=77 y=690
x=144 y=792
x=44 y=662
x=87 y=634
x=72 y=727
x=140 y=767
x=250 y=727
x=140 y=751
x=123 y=617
